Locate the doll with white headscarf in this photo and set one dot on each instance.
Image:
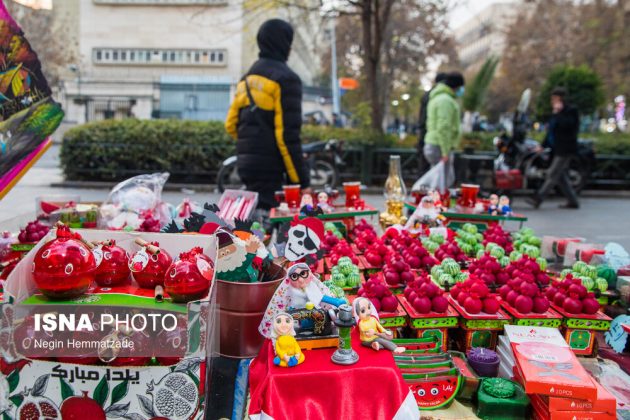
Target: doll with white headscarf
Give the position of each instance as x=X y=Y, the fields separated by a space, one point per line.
x=301 y=286
x=371 y=332
x=286 y=347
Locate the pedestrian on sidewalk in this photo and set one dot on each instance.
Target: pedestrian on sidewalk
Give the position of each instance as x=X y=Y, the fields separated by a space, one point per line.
x=265 y=118
x=562 y=135
x=443 y=119
x=423 y=164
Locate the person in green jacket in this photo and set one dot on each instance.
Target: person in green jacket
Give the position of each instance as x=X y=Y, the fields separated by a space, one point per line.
x=443 y=119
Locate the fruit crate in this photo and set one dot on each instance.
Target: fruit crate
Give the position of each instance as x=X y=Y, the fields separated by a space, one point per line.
x=580 y=330
x=390 y=320
x=551 y=318
x=478 y=330
x=355 y=249
x=432 y=324
x=321 y=267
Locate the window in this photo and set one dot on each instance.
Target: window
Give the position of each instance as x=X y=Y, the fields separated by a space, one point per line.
x=180 y=57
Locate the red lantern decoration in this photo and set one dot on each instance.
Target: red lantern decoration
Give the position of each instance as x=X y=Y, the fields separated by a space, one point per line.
x=64 y=267
x=189 y=277
x=148 y=269
x=112 y=264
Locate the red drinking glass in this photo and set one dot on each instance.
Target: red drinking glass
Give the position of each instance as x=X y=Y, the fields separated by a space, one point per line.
x=353 y=192
x=292 y=195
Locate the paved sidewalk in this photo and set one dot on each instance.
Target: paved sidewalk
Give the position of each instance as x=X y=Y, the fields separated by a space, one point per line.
x=600 y=219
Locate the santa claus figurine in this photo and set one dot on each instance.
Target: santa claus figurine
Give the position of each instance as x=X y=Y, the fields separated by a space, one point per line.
x=237 y=259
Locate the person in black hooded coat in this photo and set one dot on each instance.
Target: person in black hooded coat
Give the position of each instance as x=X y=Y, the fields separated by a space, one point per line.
x=266 y=117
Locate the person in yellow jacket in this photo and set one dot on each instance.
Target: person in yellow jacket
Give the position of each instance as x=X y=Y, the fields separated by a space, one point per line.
x=286 y=347
x=371 y=332
x=265 y=119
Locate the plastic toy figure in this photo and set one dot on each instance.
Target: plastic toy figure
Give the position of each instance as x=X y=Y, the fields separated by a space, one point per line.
x=300 y=287
x=493 y=208
x=437 y=200
x=371 y=332
x=287 y=349
x=322 y=202
x=307 y=208
x=504 y=206
x=425 y=214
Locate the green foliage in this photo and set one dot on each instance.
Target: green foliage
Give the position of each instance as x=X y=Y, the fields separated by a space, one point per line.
x=477 y=89
x=583 y=85
x=118 y=149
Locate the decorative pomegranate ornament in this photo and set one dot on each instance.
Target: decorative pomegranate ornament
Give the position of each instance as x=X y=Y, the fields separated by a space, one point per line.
x=64 y=267
x=84 y=408
x=139 y=355
x=172 y=345
x=112 y=264
x=189 y=277
x=149 y=265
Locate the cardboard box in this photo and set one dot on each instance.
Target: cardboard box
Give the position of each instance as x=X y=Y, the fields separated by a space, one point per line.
x=548 y=365
x=542 y=411
x=127 y=391
x=605 y=402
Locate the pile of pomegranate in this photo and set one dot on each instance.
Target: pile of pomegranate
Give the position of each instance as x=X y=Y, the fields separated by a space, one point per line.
x=33 y=232
x=342 y=249
x=450 y=250
x=495 y=234
x=474 y=296
x=527 y=269
x=425 y=296
x=488 y=269
x=364 y=234
x=396 y=271
x=376 y=253
x=524 y=296
x=571 y=295
x=379 y=294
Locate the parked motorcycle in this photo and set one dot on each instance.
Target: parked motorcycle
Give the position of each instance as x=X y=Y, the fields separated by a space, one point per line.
x=523 y=163
x=323 y=157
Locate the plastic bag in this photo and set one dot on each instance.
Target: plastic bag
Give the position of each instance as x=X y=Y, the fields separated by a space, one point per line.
x=133 y=201
x=438 y=178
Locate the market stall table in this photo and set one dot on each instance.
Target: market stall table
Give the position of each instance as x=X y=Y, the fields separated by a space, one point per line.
x=318 y=388
x=341 y=213
x=456 y=217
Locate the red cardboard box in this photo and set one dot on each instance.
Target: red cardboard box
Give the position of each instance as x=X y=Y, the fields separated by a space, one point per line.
x=605 y=402
x=541 y=411
x=547 y=364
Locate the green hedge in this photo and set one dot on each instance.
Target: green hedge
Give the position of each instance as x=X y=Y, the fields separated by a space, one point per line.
x=118 y=149
x=312 y=133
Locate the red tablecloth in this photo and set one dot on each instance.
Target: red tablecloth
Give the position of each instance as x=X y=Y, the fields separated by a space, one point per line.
x=318 y=389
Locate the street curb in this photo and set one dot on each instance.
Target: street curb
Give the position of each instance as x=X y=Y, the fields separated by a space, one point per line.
x=181 y=187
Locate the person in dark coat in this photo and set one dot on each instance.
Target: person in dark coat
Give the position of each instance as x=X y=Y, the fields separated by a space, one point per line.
x=422 y=124
x=562 y=135
x=266 y=118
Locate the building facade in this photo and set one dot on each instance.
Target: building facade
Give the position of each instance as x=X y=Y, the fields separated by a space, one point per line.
x=167 y=58
x=483 y=35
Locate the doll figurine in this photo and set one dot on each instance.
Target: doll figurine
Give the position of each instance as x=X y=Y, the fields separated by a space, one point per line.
x=287 y=349
x=371 y=332
x=504 y=205
x=307 y=208
x=300 y=288
x=322 y=202
x=493 y=208
x=425 y=214
x=437 y=200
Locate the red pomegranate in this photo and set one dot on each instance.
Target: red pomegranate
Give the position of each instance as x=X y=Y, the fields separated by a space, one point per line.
x=81 y=408
x=148 y=270
x=189 y=277
x=113 y=265
x=64 y=267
